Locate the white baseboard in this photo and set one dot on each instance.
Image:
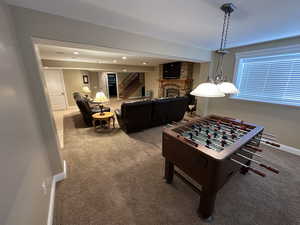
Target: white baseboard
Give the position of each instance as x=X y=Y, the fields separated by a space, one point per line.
x=287 y=148
x=56 y=178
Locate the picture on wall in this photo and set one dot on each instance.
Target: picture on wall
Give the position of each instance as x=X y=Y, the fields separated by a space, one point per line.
x=85 y=79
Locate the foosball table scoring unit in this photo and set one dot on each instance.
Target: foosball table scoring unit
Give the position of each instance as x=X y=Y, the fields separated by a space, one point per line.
x=210 y=150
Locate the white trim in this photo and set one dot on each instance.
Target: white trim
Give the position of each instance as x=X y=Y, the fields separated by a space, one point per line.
x=56 y=178
x=287 y=148
x=64 y=88
x=269 y=51
x=62 y=81
x=290 y=49
x=117 y=83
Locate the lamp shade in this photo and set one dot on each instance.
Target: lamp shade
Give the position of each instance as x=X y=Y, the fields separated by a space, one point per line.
x=86 y=89
x=100 y=97
x=228 y=88
x=207 y=89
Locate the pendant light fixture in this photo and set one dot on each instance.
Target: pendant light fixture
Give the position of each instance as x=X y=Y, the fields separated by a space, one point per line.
x=218 y=86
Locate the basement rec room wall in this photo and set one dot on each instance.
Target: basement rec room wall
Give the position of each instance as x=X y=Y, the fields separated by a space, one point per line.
x=281 y=120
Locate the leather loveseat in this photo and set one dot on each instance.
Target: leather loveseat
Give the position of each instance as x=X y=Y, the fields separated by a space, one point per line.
x=136 y=116
x=86 y=110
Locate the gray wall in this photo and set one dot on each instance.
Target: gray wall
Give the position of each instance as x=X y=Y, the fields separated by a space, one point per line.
x=281 y=120
x=24 y=158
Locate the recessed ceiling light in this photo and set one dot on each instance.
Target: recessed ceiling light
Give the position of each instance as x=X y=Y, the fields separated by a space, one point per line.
x=46 y=67
x=114 y=61
x=76 y=53
x=124 y=57
x=145 y=63
x=124 y=70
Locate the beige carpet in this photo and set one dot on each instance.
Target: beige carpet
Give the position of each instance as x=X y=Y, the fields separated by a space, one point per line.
x=117 y=179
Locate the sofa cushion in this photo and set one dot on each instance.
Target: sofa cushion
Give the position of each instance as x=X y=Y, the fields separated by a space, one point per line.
x=136 y=115
x=177 y=108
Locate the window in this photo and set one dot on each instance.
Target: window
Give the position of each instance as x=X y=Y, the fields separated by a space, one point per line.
x=271 y=76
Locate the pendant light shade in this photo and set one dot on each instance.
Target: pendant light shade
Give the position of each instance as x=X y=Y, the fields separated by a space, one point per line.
x=227 y=88
x=207 y=89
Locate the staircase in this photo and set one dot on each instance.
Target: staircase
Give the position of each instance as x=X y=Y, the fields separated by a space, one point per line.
x=130 y=84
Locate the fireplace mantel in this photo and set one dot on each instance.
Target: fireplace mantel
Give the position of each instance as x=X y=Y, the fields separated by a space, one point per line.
x=175 y=80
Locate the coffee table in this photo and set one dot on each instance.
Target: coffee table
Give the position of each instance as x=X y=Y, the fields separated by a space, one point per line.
x=105 y=116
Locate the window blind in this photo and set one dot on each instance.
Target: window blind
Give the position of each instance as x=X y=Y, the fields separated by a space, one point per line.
x=273 y=79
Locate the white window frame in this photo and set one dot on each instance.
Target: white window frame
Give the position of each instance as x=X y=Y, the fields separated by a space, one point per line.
x=290 y=49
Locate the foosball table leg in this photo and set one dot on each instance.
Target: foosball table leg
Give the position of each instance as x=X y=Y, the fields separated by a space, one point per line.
x=245 y=170
x=206 y=205
x=169 y=171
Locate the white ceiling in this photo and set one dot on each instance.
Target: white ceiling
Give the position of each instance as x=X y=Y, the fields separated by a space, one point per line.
x=191 y=22
x=101 y=55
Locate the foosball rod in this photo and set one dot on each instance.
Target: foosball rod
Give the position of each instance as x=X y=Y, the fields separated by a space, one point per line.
x=253 y=153
x=196 y=141
x=249 y=167
x=220 y=146
x=269 y=136
x=232 y=141
x=269 y=143
x=229 y=140
x=258 y=163
x=262 y=140
x=236 y=126
x=254 y=148
x=264 y=134
x=223 y=131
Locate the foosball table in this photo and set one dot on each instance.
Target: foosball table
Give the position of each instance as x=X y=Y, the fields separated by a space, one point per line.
x=210 y=150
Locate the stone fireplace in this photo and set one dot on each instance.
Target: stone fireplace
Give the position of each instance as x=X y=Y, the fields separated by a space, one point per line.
x=177 y=87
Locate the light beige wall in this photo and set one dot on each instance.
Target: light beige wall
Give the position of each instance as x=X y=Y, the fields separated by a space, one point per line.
x=73 y=83
x=281 y=120
x=200 y=73
x=24 y=157
x=152 y=82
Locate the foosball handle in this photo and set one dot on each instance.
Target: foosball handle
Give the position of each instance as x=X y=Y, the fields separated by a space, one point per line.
x=269 y=168
x=273 y=144
x=254 y=148
x=257 y=172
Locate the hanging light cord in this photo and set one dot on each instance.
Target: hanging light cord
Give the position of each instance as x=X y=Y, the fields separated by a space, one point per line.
x=220 y=77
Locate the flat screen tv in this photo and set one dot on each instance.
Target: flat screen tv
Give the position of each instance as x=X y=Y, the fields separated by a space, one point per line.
x=172 y=70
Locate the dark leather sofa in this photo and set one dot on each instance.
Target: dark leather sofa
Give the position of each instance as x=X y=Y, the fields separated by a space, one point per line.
x=86 y=110
x=136 y=116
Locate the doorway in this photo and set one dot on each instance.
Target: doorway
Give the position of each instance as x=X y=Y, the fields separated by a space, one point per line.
x=112 y=85
x=56 y=89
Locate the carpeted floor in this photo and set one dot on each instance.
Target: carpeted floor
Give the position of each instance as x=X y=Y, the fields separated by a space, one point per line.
x=117 y=179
